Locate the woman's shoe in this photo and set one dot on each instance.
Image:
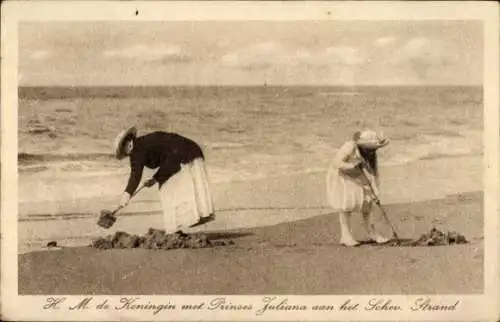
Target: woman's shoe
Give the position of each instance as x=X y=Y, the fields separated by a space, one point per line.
x=181 y=234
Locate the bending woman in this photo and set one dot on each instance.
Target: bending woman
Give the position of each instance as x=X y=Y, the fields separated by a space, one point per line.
x=348 y=190
x=181 y=176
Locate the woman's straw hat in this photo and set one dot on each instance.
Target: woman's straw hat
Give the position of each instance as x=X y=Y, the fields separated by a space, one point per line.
x=120 y=140
x=370 y=140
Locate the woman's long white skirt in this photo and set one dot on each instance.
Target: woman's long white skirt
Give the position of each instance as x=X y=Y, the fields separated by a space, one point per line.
x=186 y=198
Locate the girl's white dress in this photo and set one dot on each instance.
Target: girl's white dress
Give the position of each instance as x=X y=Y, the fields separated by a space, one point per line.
x=346 y=189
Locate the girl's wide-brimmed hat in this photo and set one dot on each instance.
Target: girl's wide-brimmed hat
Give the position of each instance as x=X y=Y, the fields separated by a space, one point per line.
x=119 y=145
x=370 y=140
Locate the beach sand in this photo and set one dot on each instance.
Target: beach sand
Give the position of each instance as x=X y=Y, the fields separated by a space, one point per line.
x=286 y=240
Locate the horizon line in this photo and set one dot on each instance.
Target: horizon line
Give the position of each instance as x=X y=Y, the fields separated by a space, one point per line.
x=253 y=85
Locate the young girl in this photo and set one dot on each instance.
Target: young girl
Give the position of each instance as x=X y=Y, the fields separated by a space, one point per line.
x=347 y=188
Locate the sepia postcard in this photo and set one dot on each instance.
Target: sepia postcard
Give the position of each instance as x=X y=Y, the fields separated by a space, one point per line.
x=250 y=161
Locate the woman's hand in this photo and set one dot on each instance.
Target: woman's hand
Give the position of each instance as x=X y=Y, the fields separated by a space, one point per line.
x=149 y=183
x=125 y=199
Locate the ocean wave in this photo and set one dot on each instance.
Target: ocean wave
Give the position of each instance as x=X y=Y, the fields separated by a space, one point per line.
x=247 y=164
x=30 y=158
x=87 y=164
x=435 y=146
x=225 y=145
x=437 y=156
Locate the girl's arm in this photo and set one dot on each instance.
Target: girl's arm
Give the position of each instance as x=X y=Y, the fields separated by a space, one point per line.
x=373 y=181
x=340 y=160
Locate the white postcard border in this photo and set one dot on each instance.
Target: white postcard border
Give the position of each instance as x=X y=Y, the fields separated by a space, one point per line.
x=475 y=307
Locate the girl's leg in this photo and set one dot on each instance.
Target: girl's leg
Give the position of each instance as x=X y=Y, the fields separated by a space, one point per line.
x=370 y=228
x=345 y=229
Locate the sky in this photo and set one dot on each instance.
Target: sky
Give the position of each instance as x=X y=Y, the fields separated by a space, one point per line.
x=250 y=53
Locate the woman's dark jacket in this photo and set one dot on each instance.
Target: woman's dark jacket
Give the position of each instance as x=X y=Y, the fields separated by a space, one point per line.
x=160 y=149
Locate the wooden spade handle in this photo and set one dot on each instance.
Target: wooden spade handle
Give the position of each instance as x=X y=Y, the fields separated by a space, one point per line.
x=135 y=193
x=381 y=208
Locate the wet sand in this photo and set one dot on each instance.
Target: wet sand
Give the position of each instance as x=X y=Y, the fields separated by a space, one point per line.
x=300 y=257
x=286 y=242
x=50 y=206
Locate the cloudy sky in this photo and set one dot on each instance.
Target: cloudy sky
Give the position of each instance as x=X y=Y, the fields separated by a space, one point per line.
x=243 y=53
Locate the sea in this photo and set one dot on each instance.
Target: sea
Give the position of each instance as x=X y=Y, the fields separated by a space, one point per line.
x=66 y=137
x=246 y=132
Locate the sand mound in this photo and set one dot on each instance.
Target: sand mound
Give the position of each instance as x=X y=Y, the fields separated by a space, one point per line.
x=438 y=238
x=157 y=239
x=434 y=237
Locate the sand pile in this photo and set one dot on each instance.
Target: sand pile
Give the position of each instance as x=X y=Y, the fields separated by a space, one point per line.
x=434 y=237
x=157 y=239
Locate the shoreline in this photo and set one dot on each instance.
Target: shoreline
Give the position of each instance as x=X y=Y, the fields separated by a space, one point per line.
x=260 y=202
x=228 y=220
x=239 y=204
x=285 y=235
x=64 y=194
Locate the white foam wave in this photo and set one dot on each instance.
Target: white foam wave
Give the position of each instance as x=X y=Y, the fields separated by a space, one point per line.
x=467 y=143
x=260 y=165
x=225 y=145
